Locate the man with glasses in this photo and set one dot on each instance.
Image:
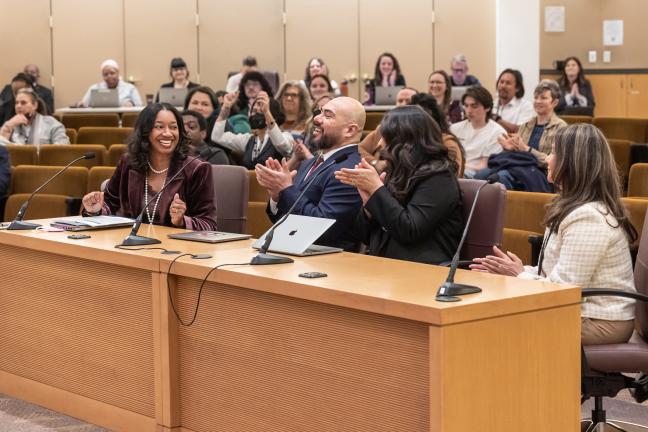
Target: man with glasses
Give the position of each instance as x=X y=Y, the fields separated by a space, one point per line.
x=459 y=76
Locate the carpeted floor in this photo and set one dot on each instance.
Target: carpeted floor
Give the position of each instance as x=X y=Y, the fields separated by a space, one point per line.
x=20 y=416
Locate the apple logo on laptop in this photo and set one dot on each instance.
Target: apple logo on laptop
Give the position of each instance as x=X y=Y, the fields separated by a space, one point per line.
x=293 y=232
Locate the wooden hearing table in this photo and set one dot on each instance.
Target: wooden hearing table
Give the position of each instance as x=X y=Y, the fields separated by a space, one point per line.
x=87 y=330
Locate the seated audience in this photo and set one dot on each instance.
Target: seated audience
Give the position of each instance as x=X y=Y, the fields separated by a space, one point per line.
x=203 y=100
x=249 y=65
x=196 y=128
x=42 y=91
x=315 y=67
x=338 y=130
x=8 y=103
x=31 y=124
x=295 y=105
x=372 y=146
x=577 y=96
x=128 y=94
x=387 y=73
x=417 y=214
x=179 y=77
x=441 y=89
x=510 y=110
x=319 y=86
x=521 y=165
x=251 y=85
x=587 y=235
x=266 y=139
x=157 y=150
x=459 y=76
x=478 y=133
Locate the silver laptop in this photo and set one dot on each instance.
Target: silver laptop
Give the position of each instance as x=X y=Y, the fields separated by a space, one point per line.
x=173 y=96
x=104 y=98
x=458 y=92
x=80 y=223
x=387 y=95
x=209 y=236
x=296 y=236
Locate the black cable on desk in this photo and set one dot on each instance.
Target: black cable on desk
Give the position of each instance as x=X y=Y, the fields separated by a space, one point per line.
x=202 y=284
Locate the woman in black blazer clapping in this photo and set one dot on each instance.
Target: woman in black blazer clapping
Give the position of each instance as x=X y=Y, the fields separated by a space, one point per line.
x=412 y=211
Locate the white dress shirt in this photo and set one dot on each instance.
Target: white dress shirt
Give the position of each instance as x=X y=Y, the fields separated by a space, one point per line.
x=517 y=111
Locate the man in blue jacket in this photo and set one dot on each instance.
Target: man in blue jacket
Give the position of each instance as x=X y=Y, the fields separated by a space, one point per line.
x=337 y=132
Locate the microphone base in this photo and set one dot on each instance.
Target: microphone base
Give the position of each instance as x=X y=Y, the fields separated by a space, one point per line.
x=135 y=240
x=20 y=225
x=449 y=291
x=267 y=259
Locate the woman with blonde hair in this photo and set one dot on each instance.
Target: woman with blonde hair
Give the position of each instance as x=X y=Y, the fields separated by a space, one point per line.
x=295 y=104
x=587 y=235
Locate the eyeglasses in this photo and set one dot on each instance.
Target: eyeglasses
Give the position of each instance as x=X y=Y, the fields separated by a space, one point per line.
x=458 y=70
x=290 y=95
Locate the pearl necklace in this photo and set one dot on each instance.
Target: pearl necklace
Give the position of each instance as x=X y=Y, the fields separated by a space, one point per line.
x=156 y=171
x=146 y=200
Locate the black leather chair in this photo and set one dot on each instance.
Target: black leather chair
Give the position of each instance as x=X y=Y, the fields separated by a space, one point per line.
x=604 y=367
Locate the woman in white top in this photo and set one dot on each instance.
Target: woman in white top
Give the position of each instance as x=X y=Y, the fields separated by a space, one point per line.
x=128 y=94
x=587 y=234
x=31 y=125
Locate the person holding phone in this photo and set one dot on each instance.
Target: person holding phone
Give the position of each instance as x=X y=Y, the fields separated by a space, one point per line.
x=31 y=124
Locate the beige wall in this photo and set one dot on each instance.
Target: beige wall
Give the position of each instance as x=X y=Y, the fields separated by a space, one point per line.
x=584 y=32
x=214 y=35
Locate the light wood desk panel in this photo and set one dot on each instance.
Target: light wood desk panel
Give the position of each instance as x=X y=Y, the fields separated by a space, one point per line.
x=365 y=349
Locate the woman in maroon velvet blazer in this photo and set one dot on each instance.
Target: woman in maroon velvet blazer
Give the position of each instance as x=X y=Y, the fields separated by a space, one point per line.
x=157 y=150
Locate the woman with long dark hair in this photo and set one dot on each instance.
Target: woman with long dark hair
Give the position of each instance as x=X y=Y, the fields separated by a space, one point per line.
x=587 y=234
x=157 y=150
x=387 y=73
x=413 y=210
x=577 y=96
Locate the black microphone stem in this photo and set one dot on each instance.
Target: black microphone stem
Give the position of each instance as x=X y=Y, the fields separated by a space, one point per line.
x=17 y=223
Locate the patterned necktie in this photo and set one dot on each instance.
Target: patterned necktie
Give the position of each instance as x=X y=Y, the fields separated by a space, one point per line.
x=317 y=163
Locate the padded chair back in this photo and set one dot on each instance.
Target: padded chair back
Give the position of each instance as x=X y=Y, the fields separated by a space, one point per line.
x=632 y=129
x=97 y=175
x=42 y=206
x=22 y=154
x=231 y=197
x=487 y=225
x=258 y=221
x=71 y=183
x=638 y=180
x=273 y=79
x=571 y=119
x=79 y=120
x=103 y=135
x=257 y=192
x=526 y=210
x=621 y=152
x=373 y=120
x=61 y=155
x=115 y=153
x=641 y=281
x=72 y=135
x=128 y=119
x=636 y=208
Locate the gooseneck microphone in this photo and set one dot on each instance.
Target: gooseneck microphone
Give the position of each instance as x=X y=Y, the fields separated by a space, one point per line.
x=17 y=223
x=263 y=258
x=133 y=239
x=449 y=291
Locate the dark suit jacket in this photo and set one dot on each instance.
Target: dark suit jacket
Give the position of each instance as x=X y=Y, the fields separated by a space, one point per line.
x=426 y=229
x=124 y=194
x=326 y=198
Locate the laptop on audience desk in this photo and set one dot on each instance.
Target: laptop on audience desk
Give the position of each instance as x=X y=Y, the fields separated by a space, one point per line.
x=173 y=96
x=80 y=223
x=104 y=98
x=387 y=95
x=209 y=236
x=458 y=92
x=296 y=236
